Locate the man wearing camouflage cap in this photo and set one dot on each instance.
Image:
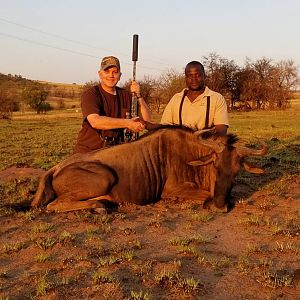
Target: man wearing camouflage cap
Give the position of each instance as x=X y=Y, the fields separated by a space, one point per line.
x=104 y=109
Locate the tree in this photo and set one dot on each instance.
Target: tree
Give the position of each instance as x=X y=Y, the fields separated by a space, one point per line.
x=268 y=85
x=35 y=96
x=147 y=84
x=9 y=99
x=170 y=83
x=5 y=105
x=89 y=84
x=222 y=76
x=287 y=80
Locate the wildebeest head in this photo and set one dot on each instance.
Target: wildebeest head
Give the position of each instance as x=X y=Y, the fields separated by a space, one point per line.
x=225 y=163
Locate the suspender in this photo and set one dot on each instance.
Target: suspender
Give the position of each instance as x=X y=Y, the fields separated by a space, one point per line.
x=207 y=112
x=207 y=109
x=180 y=107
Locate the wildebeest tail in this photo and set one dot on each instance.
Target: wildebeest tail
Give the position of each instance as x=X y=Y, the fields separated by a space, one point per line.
x=45 y=192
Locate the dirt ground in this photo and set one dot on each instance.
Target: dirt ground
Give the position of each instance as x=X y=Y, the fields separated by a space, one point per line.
x=169 y=250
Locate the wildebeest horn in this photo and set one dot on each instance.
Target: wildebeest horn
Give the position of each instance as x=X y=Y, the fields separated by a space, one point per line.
x=245 y=151
x=252 y=169
x=200 y=132
x=217 y=146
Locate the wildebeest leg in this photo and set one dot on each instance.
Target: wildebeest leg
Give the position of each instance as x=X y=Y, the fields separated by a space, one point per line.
x=188 y=190
x=212 y=205
x=65 y=203
x=222 y=203
x=82 y=185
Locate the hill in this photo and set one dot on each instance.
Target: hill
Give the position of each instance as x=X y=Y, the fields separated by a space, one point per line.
x=61 y=95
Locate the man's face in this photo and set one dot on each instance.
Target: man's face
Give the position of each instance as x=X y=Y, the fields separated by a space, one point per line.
x=195 y=78
x=110 y=76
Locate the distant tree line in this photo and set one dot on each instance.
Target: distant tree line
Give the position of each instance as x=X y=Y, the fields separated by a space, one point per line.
x=260 y=84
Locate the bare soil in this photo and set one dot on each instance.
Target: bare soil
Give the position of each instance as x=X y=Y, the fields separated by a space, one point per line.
x=173 y=249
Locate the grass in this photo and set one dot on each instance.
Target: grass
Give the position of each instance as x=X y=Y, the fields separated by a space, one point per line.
x=280 y=187
x=66 y=237
x=92 y=233
x=244 y=264
x=45 y=243
x=100 y=276
x=43 y=141
x=42 y=257
x=40 y=142
x=18 y=190
x=276 y=279
x=286 y=247
x=188 y=240
x=67 y=280
x=218 y=264
x=266 y=124
x=42 y=227
x=252 y=220
x=109 y=258
x=143 y=270
x=115 y=258
x=140 y=295
x=136 y=244
x=203 y=217
x=12 y=247
x=30 y=215
x=287 y=226
x=176 y=280
x=42 y=285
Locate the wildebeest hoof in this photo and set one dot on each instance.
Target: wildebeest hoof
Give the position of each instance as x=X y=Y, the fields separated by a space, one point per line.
x=215 y=209
x=220 y=210
x=209 y=205
x=99 y=210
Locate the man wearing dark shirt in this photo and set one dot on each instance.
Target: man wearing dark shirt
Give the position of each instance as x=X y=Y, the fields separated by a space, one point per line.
x=104 y=109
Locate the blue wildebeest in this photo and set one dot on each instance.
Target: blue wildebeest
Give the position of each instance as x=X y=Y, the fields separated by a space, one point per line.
x=170 y=161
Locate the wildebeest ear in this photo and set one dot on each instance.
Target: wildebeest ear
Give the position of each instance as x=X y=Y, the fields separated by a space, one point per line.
x=252 y=169
x=199 y=162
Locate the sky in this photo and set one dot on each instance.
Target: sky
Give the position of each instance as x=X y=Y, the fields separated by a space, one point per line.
x=64 y=40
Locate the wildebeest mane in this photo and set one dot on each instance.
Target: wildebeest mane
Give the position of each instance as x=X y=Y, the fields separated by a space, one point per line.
x=167 y=126
x=231 y=139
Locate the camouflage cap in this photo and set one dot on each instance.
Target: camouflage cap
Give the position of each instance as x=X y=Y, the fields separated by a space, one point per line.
x=109 y=61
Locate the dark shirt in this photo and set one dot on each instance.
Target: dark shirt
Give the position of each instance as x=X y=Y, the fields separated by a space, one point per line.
x=97 y=101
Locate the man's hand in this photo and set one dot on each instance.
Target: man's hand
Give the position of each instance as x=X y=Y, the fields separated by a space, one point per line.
x=136 y=124
x=135 y=88
x=152 y=126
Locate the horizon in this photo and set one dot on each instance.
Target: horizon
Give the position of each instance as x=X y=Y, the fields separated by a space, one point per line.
x=63 y=42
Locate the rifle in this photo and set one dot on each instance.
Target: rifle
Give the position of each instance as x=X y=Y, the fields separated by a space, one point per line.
x=134 y=101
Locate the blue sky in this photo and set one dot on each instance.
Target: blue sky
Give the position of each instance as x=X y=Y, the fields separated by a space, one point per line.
x=64 y=40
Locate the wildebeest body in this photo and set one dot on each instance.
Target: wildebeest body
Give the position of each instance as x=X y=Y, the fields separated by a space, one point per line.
x=140 y=172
